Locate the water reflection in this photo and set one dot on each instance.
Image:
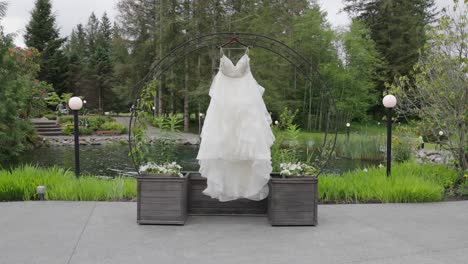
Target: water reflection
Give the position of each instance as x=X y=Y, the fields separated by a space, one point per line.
x=111 y=160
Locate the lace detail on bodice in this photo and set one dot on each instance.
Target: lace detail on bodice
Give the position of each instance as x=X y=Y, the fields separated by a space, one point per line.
x=238 y=70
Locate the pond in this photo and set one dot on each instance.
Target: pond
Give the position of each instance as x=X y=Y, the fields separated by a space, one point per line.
x=112 y=160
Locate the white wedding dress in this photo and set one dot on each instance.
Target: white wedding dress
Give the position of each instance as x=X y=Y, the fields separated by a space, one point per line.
x=236 y=138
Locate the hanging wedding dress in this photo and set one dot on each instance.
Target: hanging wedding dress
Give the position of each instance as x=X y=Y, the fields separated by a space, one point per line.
x=236 y=138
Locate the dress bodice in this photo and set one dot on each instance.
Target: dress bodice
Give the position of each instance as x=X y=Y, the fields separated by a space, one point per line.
x=228 y=68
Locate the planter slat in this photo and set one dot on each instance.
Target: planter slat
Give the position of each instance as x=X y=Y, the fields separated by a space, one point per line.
x=168 y=200
x=293 y=201
x=200 y=203
x=162 y=214
x=167 y=186
x=162 y=199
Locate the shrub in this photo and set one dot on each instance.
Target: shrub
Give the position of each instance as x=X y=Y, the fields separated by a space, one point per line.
x=463 y=188
x=402 y=148
x=68 y=130
x=114 y=126
x=96 y=122
x=50 y=116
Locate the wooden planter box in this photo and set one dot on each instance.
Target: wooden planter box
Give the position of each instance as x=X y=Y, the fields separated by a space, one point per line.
x=168 y=200
x=201 y=204
x=292 y=201
x=161 y=199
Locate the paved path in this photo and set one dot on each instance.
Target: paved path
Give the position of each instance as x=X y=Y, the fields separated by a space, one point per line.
x=101 y=232
x=156 y=132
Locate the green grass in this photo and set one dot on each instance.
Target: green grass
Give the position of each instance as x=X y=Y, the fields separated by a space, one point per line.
x=360 y=146
x=409 y=182
x=20 y=185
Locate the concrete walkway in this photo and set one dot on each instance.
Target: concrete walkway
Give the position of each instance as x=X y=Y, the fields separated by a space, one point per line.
x=156 y=132
x=101 y=232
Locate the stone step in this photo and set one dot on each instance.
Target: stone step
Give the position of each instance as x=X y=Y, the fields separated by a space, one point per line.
x=46 y=126
x=44 y=123
x=50 y=133
x=49 y=129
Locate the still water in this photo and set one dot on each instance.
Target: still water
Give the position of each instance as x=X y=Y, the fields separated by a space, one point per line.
x=112 y=160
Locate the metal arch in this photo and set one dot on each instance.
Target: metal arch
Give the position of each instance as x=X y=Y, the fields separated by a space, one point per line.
x=159 y=67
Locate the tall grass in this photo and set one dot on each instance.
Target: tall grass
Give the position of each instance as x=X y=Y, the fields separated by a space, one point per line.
x=360 y=146
x=20 y=185
x=409 y=182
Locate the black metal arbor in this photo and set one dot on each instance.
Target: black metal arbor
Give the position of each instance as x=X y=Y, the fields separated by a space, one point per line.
x=305 y=67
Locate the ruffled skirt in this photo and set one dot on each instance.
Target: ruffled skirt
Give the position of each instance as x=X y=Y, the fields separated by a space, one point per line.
x=234 y=152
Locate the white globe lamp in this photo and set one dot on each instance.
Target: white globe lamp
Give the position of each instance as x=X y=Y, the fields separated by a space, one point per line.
x=75 y=103
x=389 y=101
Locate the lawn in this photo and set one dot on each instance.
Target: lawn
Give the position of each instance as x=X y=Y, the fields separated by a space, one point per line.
x=410 y=182
x=20 y=185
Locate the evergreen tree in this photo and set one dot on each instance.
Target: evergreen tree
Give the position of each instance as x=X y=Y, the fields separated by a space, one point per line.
x=76 y=53
x=104 y=66
x=17 y=72
x=42 y=34
x=397 y=27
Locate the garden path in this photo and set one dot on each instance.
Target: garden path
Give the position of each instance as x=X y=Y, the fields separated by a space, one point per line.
x=153 y=132
x=107 y=232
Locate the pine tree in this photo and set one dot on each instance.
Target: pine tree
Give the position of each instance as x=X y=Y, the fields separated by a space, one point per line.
x=104 y=67
x=397 y=27
x=42 y=34
x=76 y=53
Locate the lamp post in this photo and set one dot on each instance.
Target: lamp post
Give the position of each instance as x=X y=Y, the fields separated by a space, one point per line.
x=200 y=116
x=389 y=102
x=441 y=133
x=154 y=111
x=75 y=105
x=348 y=125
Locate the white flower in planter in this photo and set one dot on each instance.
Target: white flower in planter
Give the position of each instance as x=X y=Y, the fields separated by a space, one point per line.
x=297 y=169
x=172 y=169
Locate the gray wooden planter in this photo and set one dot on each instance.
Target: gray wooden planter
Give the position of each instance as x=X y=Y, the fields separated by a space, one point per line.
x=292 y=201
x=161 y=199
x=168 y=200
x=200 y=204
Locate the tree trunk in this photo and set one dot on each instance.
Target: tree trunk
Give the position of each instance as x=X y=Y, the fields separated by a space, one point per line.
x=186 y=98
x=160 y=95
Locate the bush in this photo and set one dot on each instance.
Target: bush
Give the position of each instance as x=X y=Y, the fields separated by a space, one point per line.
x=50 y=116
x=114 y=126
x=68 y=130
x=93 y=123
x=409 y=182
x=20 y=185
x=463 y=188
x=402 y=148
x=96 y=122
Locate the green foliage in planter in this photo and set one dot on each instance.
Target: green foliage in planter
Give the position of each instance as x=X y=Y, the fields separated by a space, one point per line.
x=20 y=185
x=409 y=182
